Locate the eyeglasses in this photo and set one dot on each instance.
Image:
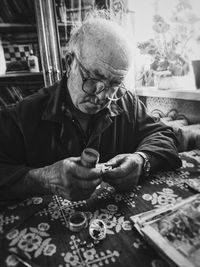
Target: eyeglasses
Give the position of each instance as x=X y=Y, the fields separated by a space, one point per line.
x=92 y=86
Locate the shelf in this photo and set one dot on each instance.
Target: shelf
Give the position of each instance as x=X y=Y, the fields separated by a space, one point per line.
x=19 y=74
x=16 y=28
x=178 y=94
x=21 y=77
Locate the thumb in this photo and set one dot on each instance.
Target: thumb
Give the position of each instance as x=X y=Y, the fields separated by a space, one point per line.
x=112 y=162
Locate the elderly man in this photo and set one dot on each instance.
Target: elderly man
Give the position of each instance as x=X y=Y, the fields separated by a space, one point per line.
x=42 y=137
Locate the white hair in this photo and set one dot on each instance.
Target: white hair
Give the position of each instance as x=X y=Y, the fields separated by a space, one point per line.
x=79 y=29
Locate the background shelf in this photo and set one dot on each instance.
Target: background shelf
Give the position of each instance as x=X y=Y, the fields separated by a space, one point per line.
x=178 y=94
x=6 y=28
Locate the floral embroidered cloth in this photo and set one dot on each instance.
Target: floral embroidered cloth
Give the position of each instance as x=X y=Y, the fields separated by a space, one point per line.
x=38 y=229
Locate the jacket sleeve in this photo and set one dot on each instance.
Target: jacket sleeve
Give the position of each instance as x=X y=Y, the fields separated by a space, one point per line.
x=155 y=139
x=12 y=151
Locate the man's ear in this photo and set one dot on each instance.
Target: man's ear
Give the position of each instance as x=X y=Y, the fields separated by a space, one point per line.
x=68 y=59
x=68 y=62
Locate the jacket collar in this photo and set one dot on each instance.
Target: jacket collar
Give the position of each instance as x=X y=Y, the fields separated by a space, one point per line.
x=58 y=105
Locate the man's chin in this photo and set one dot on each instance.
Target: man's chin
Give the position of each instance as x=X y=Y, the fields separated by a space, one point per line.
x=90 y=110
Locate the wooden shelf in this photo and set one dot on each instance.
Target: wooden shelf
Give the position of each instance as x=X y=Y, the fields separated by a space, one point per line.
x=16 y=28
x=19 y=74
x=21 y=78
x=177 y=94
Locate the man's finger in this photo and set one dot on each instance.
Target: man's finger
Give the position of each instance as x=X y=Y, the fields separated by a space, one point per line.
x=112 y=162
x=88 y=185
x=121 y=170
x=81 y=172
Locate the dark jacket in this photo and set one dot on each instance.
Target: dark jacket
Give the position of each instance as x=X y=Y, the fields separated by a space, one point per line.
x=41 y=130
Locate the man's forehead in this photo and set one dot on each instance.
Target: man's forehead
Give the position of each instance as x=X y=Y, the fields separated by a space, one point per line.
x=96 y=68
x=104 y=62
x=104 y=71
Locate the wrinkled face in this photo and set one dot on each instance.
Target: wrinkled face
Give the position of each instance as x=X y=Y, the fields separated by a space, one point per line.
x=99 y=79
x=100 y=68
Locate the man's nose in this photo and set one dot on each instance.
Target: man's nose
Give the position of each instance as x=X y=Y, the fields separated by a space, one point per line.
x=94 y=99
x=101 y=91
x=100 y=86
x=98 y=99
x=102 y=95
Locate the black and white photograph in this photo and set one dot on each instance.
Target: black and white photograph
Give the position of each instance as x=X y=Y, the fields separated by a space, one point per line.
x=99 y=133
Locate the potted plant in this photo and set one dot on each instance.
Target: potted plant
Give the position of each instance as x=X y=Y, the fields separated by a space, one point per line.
x=170 y=65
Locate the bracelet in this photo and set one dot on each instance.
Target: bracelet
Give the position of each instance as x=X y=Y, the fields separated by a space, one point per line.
x=146 y=165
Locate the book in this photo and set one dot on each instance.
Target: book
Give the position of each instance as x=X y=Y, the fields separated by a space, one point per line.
x=174 y=231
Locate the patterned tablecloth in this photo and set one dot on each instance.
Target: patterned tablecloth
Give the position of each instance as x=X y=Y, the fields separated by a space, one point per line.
x=37 y=226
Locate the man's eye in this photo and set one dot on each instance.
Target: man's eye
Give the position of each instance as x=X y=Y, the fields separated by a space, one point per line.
x=84 y=74
x=87 y=76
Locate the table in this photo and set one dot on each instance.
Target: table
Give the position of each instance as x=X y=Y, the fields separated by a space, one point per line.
x=37 y=225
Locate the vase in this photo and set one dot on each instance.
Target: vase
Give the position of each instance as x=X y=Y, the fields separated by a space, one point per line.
x=196 y=68
x=186 y=82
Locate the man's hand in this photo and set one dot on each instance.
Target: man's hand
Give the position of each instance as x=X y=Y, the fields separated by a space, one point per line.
x=125 y=173
x=69 y=179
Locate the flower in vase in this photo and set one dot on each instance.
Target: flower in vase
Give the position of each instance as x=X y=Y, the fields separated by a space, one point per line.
x=168 y=50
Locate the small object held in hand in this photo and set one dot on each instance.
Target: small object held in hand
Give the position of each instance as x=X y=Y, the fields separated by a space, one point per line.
x=89 y=157
x=77 y=221
x=106 y=168
x=97 y=229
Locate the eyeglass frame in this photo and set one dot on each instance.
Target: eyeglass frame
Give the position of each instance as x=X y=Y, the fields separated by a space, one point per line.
x=81 y=67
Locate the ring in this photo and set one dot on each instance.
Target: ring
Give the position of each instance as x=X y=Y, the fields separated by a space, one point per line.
x=97 y=229
x=77 y=221
x=106 y=168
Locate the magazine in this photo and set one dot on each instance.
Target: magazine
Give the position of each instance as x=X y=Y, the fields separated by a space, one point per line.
x=174 y=231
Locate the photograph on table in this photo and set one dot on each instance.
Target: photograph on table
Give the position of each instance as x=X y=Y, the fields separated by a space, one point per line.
x=174 y=231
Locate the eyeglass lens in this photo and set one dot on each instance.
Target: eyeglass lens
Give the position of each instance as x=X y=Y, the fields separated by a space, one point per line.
x=93 y=86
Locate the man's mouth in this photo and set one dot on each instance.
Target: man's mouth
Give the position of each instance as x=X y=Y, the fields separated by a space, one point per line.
x=98 y=104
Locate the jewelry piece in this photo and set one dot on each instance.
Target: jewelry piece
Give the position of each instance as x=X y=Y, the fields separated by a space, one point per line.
x=77 y=221
x=146 y=163
x=106 y=168
x=97 y=230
